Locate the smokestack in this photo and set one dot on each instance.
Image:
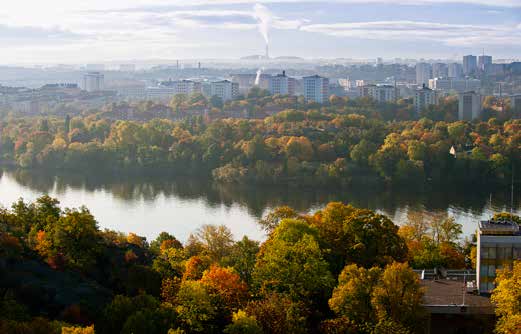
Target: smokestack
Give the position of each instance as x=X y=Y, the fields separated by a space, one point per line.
x=267 y=52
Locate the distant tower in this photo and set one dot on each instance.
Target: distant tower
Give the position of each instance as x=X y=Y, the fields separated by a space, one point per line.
x=267 y=56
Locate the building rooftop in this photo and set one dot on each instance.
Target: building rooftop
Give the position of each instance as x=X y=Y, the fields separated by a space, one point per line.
x=498 y=227
x=451 y=296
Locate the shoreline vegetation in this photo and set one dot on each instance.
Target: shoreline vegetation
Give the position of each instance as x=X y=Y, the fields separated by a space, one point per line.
x=346 y=143
x=61 y=274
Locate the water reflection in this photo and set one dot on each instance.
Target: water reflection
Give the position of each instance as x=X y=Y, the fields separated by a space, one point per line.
x=132 y=201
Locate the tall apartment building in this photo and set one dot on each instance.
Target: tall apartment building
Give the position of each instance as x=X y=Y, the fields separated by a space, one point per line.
x=484 y=61
x=281 y=84
x=316 y=88
x=380 y=93
x=224 y=89
x=498 y=245
x=440 y=70
x=455 y=71
x=424 y=97
x=423 y=73
x=93 y=82
x=470 y=106
x=515 y=105
x=470 y=64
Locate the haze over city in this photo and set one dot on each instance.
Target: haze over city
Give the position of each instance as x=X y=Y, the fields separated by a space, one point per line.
x=60 y=31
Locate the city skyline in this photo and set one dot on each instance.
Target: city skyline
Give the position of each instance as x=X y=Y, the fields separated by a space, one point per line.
x=61 y=32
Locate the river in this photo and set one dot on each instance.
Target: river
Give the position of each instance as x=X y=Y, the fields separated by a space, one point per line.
x=150 y=205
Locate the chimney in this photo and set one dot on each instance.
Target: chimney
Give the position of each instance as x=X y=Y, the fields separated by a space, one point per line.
x=283 y=73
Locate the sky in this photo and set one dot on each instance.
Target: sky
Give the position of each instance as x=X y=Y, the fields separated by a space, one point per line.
x=89 y=31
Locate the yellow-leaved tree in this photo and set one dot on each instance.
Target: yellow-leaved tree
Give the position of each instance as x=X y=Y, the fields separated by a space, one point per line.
x=507 y=298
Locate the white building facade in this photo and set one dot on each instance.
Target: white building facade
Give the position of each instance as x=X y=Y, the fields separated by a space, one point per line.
x=316 y=88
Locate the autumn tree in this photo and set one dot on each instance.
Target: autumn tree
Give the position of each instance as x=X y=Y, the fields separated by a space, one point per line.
x=507 y=298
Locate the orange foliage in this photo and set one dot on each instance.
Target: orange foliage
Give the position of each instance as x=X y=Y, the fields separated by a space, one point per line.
x=135 y=239
x=194 y=268
x=225 y=283
x=169 y=289
x=130 y=256
x=455 y=259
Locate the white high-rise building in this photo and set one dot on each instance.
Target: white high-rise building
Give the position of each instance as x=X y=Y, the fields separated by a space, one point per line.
x=470 y=107
x=455 y=71
x=380 y=93
x=316 y=88
x=224 y=89
x=424 y=97
x=281 y=84
x=93 y=82
x=423 y=73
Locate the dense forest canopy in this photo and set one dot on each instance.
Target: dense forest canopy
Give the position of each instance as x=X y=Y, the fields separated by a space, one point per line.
x=58 y=270
x=343 y=143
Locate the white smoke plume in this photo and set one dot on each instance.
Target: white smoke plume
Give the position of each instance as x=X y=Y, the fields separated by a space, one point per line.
x=264 y=20
x=257 y=78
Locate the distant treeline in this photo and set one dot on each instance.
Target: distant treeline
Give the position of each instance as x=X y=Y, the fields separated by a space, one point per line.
x=344 y=143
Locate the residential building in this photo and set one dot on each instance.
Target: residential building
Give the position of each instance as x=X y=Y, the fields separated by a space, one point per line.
x=495 y=69
x=484 y=61
x=423 y=73
x=455 y=85
x=470 y=106
x=455 y=71
x=380 y=93
x=93 y=82
x=440 y=70
x=281 y=84
x=423 y=98
x=515 y=104
x=316 y=88
x=498 y=245
x=186 y=87
x=224 y=89
x=160 y=93
x=470 y=64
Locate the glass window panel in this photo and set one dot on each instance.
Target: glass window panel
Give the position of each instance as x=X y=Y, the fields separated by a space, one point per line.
x=484 y=271
x=492 y=253
x=484 y=253
x=500 y=253
x=491 y=270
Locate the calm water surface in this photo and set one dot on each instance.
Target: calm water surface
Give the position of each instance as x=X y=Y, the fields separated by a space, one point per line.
x=149 y=205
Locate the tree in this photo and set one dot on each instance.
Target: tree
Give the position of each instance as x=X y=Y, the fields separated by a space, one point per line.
x=292 y=262
x=278 y=314
x=194 y=307
x=272 y=220
x=226 y=288
x=217 y=241
x=242 y=323
x=397 y=296
x=358 y=236
x=242 y=258
x=507 y=299
x=352 y=297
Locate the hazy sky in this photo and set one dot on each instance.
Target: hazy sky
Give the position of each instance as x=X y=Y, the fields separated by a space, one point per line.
x=68 y=31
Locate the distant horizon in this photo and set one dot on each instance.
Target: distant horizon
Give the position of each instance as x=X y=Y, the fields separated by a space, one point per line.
x=60 y=31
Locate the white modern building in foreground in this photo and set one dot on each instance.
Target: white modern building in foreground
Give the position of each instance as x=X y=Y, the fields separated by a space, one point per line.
x=316 y=88
x=498 y=245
